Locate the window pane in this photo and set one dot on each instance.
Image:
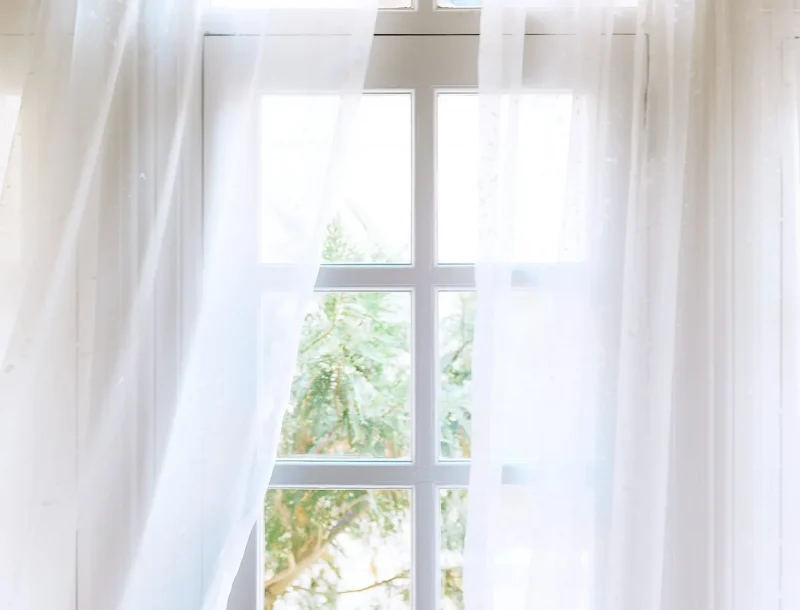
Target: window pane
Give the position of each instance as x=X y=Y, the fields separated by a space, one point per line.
x=340 y=549
x=552 y=229
x=456 y=334
x=372 y=222
x=350 y=396
x=454 y=527
x=554 y=544
x=372 y=212
x=548 y=558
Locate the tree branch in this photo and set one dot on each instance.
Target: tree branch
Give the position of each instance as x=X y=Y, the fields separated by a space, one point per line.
x=280 y=508
x=336 y=387
x=350 y=513
x=281 y=581
x=400 y=576
x=320 y=445
x=321 y=337
x=327 y=333
x=458 y=352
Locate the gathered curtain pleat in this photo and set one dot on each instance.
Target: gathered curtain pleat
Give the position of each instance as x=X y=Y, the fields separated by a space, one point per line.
x=144 y=372
x=636 y=401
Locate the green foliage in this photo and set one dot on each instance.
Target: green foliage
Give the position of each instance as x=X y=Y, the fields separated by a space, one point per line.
x=338 y=247
x=351 y=398
x=350 y=395
x=456 y=336
x=454 y=528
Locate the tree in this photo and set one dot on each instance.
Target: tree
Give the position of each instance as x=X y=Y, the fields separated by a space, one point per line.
x=351 y=397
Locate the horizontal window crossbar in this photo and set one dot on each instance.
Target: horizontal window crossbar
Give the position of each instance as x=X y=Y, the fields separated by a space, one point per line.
x=374 y=474
x=398 y=277
x=367 y=474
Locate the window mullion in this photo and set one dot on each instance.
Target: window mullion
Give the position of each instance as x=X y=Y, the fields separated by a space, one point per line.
x=425 y=421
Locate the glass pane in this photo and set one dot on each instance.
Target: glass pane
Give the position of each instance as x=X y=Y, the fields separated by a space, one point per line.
x=550 y=225
x=351 y=392
x=344 y=549
x=554 y=544
x=549 y=558
x=371 y=220
x=453 y=504
x=456 y=334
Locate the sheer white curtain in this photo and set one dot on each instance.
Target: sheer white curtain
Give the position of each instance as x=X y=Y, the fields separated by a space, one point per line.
x=635 y=419
x=143 y=376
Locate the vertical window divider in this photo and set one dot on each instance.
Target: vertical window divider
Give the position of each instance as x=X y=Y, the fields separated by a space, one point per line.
x=426 y=426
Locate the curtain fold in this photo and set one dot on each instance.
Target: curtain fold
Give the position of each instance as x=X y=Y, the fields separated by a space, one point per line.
x=144 y=372
x=635 y=415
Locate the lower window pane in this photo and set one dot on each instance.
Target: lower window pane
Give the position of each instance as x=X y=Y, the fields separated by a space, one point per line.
x=454 y=527
x=347 y=549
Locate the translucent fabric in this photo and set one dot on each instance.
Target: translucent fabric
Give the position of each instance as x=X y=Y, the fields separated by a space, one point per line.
x=635 y=423
x=146 y=354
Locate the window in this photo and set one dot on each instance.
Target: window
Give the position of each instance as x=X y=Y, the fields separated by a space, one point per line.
x=367 y=504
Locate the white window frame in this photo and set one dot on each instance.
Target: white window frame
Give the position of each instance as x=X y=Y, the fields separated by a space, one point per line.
x=424 y=19
x=425 y=51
